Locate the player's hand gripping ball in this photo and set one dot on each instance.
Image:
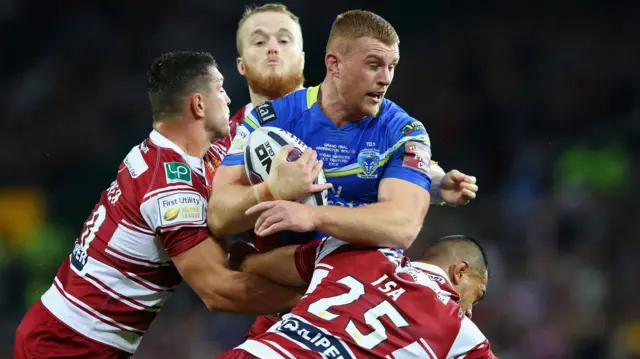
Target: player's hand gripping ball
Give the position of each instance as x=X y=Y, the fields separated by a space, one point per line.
x=291 y=169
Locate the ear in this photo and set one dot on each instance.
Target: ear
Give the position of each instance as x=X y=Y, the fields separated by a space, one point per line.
x=460 y=270
x=303 y=59
x=197 y=105
x=331 y=61
x=240 y=65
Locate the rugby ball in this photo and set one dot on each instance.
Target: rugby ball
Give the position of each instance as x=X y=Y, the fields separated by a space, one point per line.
x=262 y=146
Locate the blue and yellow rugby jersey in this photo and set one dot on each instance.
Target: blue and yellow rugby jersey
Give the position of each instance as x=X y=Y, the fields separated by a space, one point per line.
x=357 y=156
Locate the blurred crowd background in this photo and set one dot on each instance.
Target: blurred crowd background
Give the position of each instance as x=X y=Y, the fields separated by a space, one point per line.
x=540 y=100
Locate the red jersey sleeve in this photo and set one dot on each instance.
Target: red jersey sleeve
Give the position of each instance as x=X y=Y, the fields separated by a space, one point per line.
x=306 y=258
x=470 y=343
x=177 y=242
x=178 y=216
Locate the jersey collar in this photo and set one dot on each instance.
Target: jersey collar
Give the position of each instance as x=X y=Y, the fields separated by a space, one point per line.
x=247 y=109
x=159 y=140
x=433 y=269
x=312 y=98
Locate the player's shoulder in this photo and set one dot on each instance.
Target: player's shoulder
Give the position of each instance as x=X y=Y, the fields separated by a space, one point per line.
x=299 y=100
x=470 y=342
x=398 y=122
x=154 y=164
x=241 y=114
x=284 y=109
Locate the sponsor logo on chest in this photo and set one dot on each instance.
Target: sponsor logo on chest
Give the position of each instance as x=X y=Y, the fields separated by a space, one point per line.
x=177 y=172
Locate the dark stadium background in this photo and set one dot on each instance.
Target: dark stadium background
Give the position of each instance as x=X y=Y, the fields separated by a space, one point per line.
x=540 y=100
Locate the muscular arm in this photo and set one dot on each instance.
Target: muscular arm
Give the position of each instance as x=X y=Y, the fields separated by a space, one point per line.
x=233 y=195
x=221 y=289
x=394 y=221
x=278 y=265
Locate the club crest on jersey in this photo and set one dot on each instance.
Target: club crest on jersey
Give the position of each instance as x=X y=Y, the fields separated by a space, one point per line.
x=265 y=112
x=368 y=160
x=177 y=172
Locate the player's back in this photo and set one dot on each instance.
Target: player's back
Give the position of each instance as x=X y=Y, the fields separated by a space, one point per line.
x=372 y=303
x=120 y=272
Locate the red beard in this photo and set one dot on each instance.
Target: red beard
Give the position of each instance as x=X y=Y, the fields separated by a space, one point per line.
x=271 y=85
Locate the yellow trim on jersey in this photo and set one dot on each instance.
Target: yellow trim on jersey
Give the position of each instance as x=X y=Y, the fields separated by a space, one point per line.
x=355 y=168
x=312 y=96
x=249 y=122
x=355 y=171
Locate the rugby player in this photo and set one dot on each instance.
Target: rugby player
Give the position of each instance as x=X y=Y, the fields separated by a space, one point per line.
x=376 y=157
x=148 y=231
x=270 y=57
x=365 y=302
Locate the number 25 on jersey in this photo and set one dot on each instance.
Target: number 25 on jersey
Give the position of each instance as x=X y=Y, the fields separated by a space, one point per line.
x=320 y=308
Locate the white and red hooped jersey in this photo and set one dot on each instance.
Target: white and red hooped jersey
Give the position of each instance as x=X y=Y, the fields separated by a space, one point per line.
x=120 y=272
x=371 y=303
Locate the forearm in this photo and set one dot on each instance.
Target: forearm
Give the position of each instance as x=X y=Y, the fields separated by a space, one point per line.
x=437 y=173
x=277 y=265
x=384 y=224
x=227 y=207
x=251 y=294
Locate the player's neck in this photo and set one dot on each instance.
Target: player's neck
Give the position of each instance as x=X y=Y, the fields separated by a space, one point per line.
x=190 y=138
x=333 y=106
x=257 y=99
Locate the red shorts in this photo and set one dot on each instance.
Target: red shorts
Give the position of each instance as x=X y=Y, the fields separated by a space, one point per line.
x=41 y=335
x=261 y=325
x=236 y=354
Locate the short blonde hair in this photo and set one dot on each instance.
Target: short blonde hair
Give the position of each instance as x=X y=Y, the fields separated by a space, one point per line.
x=253 y=10
x=355 y=24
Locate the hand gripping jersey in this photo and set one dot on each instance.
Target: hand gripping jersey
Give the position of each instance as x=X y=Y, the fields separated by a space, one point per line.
x=370 y=303
x=120 y=272
x=357 y=156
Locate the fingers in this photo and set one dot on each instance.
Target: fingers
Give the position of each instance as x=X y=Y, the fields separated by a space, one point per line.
x=317 y=168
x=275 y=228
x=456 y=176
x=468 y=194
x=284 y=151
x=268 y=220
x=282 y=155
x=306 y=156
x=469 y=186
x=260 y=207
x=313 y=159
x=319 y=187
x=470 y=179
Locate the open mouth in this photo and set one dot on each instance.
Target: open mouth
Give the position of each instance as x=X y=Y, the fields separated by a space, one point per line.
x=376 y=95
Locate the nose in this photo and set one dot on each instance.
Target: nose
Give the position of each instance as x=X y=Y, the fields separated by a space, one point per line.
x=385 y=77
x=272 y=46
x=469 y=313
x=227 y=99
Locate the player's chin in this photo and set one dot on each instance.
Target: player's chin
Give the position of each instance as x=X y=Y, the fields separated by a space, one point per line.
x=222 y=129
x=369 y=109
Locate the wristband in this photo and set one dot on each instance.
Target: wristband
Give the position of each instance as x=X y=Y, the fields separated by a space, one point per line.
x=262 y=193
